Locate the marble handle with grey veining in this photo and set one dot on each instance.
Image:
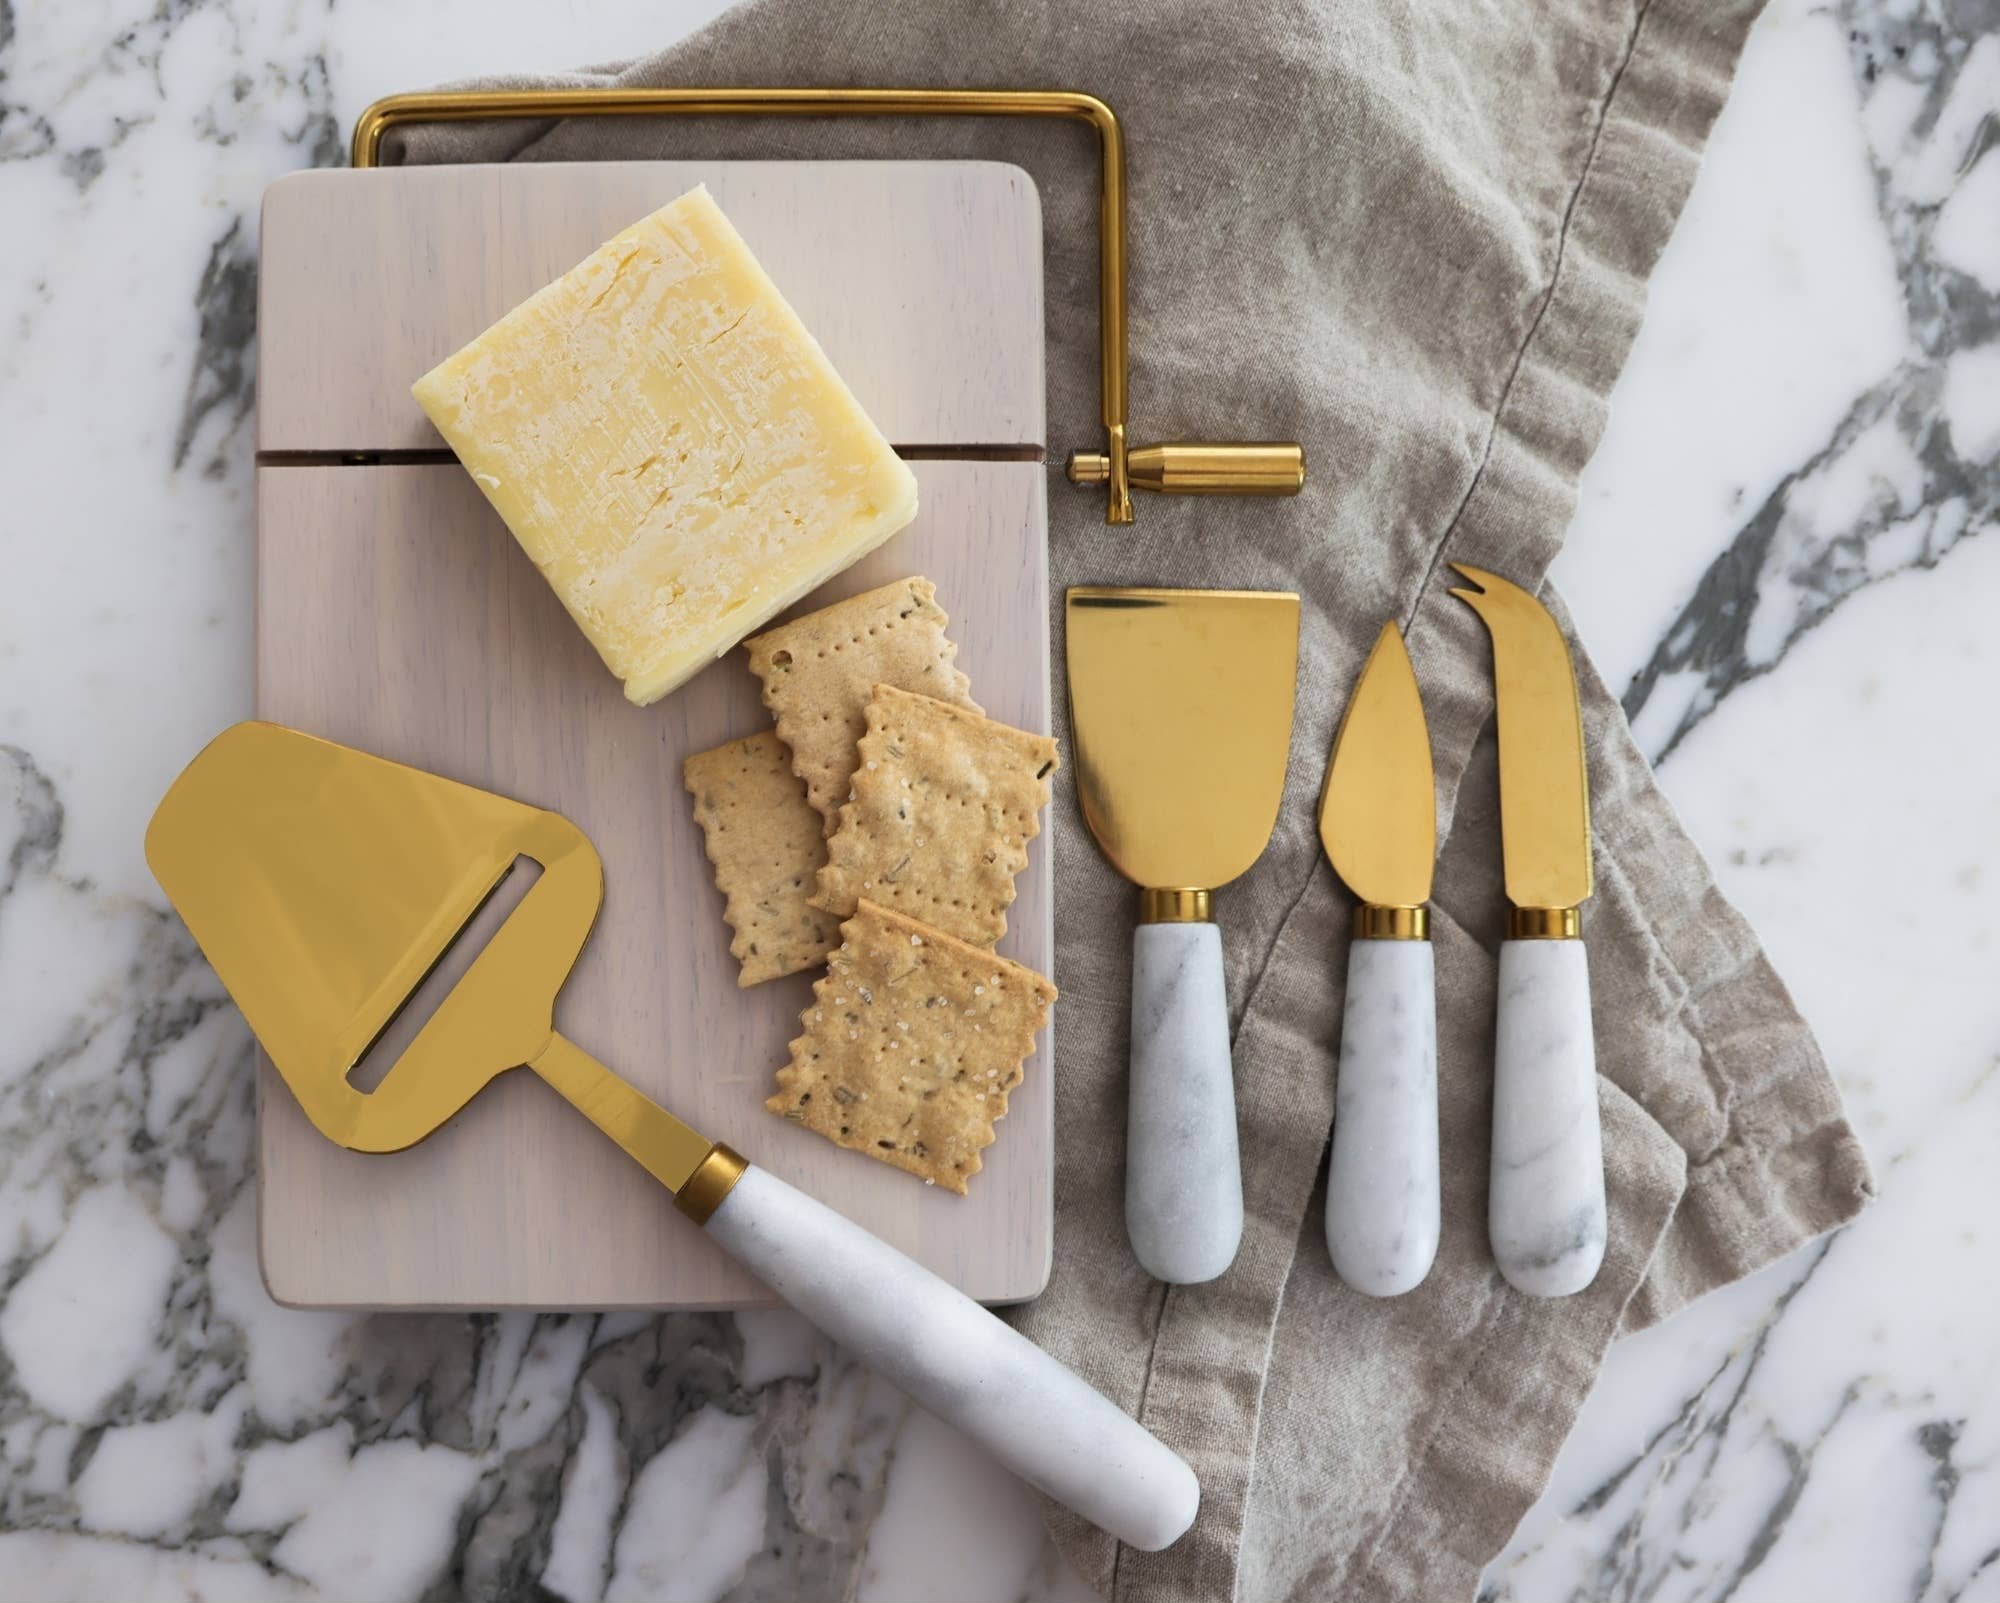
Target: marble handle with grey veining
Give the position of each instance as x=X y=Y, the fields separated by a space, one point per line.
x=1183 y=1185
x=1382 y=1180
x=1545 y=1204
x=1043 y=1421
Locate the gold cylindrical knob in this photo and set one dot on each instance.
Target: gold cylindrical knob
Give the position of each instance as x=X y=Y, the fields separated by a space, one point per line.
x=1190 y=467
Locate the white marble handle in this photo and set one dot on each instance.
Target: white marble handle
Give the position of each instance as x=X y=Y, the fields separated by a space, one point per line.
x=1042 y=1421
x=1382 y=1182
x=1545 y=1205
x=1183 y=1189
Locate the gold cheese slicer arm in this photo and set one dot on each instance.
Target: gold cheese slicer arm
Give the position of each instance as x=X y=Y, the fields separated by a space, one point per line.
x=698 y=1171
x=1174 y=467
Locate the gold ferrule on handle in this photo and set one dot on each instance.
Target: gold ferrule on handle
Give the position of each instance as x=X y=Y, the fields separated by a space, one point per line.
x=710 y=1183
x=1544 y=924
x=1194 y=467
x=1373 y=923
x=1184 y=905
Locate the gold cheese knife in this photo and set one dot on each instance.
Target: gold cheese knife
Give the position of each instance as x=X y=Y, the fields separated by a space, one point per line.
x=1378 y=822
x=323 y=884
x=1545 y=1208
x=1181 y=714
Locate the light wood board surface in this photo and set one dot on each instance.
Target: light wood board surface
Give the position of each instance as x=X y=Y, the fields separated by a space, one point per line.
x=922 y=281
x=396 y=614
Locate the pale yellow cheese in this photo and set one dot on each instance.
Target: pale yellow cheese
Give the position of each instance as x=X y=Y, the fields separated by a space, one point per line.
x=670 y=445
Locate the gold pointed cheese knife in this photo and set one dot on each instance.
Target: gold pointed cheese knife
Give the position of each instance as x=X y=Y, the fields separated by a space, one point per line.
x=1378 y=822
x=323 y=884
x=1545 y=1199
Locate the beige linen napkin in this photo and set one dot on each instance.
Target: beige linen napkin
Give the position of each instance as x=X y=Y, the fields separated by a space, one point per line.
x=1415 y=237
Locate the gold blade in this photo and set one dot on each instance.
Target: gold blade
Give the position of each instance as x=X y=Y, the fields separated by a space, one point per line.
x=1181 y=721
x=322 y=884
x=1544 y=786
x=1378 y=810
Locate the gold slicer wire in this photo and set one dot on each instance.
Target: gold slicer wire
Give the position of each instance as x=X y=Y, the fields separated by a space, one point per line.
x=1176 y=467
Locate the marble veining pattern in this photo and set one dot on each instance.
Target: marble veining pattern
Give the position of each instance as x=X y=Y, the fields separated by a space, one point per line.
x=1777 y=558
x=1904 y=472
x=1183 y=1177
x=1382 y=1205
x=1545 y=1194
x=1041 y=1420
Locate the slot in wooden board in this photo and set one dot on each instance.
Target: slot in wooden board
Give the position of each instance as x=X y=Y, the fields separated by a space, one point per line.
x=922 y=281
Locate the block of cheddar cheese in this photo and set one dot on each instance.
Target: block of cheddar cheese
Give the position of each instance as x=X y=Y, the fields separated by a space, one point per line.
x=669 y=445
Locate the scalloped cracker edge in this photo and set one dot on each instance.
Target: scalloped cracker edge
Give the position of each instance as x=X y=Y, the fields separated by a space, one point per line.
x=912 y=1045
x=819 y=671
x=943 y=805
x=765 y=844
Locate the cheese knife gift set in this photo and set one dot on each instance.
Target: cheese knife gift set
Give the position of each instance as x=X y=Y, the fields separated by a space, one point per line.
x=1181 y=706
x=680 y=459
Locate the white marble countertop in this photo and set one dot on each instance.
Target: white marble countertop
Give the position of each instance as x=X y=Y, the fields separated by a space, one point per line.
x=1775 y=553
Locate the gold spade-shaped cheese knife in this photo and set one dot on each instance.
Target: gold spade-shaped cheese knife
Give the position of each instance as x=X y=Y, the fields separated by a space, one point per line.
x=1181 y=713
x=323 y=884
x=1545 y=1201
x=1378 y=822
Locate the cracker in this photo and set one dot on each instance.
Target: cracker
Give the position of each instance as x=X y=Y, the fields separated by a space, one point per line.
x=912 y=1045
x=819 y=671
x=944 y=804
x=766 y=845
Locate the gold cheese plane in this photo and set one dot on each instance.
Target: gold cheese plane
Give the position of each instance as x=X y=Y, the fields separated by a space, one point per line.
x=323 y=884
x=1181 y=722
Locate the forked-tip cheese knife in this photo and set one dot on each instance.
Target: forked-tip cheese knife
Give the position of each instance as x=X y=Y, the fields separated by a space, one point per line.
x=1545 y=1200
x=1378 y=822
x=322 y=884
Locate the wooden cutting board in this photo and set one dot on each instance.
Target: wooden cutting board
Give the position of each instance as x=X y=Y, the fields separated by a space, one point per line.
x=396 y=614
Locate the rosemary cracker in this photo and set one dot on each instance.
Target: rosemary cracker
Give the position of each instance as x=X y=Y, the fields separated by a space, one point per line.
x=944 y=804
x=819 y=671
x=765 y=844
x=912 y=1043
